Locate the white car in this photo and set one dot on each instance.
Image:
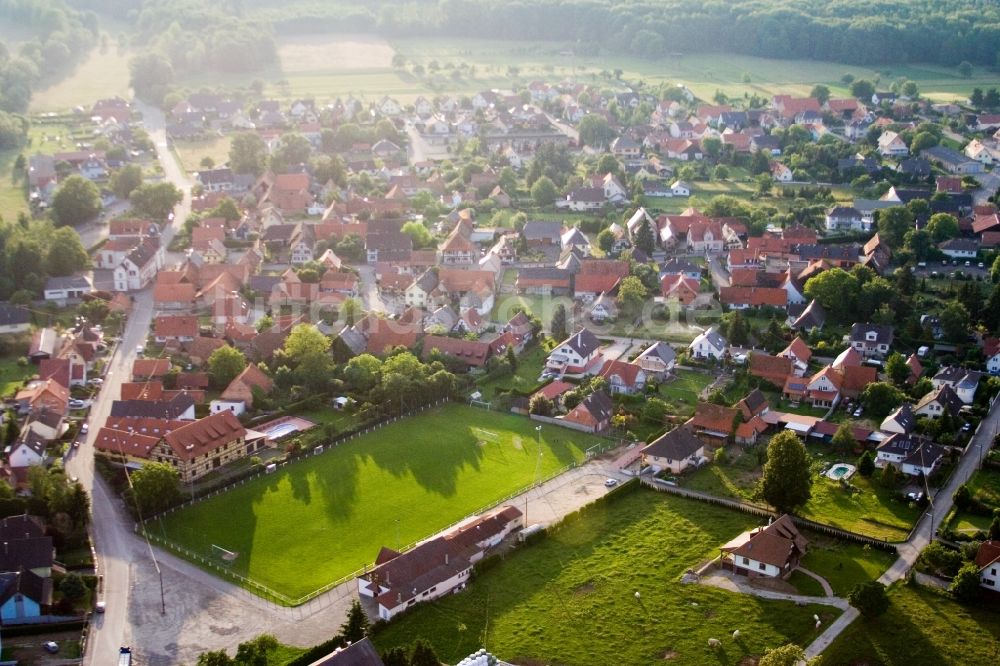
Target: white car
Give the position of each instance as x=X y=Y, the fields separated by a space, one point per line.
x=611 y=483
x=99 y=607
x=85 y=428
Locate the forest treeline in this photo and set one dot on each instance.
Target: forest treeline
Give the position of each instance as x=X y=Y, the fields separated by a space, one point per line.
x=62 y=35
x=852 y=31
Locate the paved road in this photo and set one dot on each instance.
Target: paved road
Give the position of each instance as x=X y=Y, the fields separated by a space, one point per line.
x=910 y=549
x=720 y=276
x=118 y=550
x=371 y=298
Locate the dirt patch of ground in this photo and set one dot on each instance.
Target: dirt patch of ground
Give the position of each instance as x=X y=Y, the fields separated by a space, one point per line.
x=309 y=53
x=670 y=654
x=586 y=588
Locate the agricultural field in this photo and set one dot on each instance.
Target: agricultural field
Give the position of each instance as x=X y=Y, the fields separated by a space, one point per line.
x=328 y=66
x=103 y=73
x=922 y=626
x=866 y=509
x=323 y=518
x=572 y=597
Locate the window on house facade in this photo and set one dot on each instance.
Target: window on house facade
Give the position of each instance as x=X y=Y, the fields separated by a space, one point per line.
x=761 y=566
x=746 y=560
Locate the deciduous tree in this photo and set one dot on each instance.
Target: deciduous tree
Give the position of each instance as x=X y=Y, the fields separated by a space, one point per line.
x=77 y=200
x=224 y=364
x=869 y=598
x=155 y=487
x=787 y=482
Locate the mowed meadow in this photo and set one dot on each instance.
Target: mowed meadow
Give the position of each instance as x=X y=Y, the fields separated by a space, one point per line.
x=324 y=67
x=320 y=519
x=605 y=589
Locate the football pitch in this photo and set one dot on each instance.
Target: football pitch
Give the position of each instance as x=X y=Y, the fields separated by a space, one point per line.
x=320 y=519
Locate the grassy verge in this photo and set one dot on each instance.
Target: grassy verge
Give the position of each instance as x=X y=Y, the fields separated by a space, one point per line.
x=570 y=599
x=322 y=518
x=922 y=626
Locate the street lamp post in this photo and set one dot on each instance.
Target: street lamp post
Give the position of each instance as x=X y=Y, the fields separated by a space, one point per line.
x=538 y=464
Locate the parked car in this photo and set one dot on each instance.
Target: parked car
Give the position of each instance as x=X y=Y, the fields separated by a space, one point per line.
x=915 y=496
x=140 y=350
x=51 y=647
x=100 y=607
x=96 y=381
x=966 y=427
x=611 y=483
x=77 y=404
x=858 y=412
x=85 y=428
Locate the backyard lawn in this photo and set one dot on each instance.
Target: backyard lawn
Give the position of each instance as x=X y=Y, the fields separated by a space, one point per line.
x=571 y=598
x=985 y=487
x=682 y=392
x=524 y=380
x=922 y=626
x=866 y=509
x=317 y=520
x=192 y=152
x=13 y=375
x=844 y=564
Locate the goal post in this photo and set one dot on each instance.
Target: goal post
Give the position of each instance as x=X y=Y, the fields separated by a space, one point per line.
x=226 y=556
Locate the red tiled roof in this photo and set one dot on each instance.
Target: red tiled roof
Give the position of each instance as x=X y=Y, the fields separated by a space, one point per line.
x=628 y=372
x=754 y=296
x=204 y=435
x=471 y=352
x=709 y=416
x=988 y=553
x=175 y=326
x=150 y=367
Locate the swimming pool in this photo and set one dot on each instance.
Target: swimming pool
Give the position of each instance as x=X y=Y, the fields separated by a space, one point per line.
x=281 y=430
x=841 y=471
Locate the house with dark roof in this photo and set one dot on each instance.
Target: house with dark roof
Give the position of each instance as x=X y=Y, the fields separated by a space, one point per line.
x=540 y=233
x=658 y=360
x=909 y=453
x=962 y=381
x=812 y=317
x=773 y=551
x=25 y=569
x=62 y=290
x=593 y=414
x=872 y=340
x=576 y=355
x=14 y=319
x=940 y=400
x=359 y=653
x=675 y=451
x=709 y=344
x=952 y=161
x=902 y=421
x=436 y=567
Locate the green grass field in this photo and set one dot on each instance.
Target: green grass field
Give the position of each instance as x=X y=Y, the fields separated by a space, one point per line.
x=192 y=152
x=682 y=392
x=844 y=564
x=985 y=486
x=870 y=509
x=98 y=76
x=328 y=66
x=321 y=519
x=922 y=626
x=570 y=599
x=12 y=375
x=524 y=379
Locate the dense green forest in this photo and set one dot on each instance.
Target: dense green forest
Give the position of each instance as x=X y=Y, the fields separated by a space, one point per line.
x=55 y=37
